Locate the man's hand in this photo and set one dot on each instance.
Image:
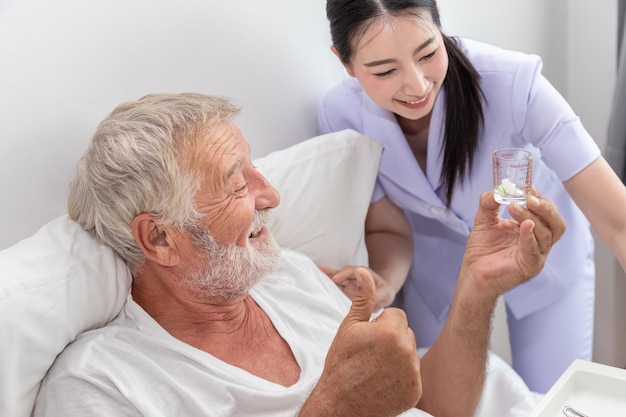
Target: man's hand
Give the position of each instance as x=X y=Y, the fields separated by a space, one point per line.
x=346 y=280
x=372 y=368
x=502 y=254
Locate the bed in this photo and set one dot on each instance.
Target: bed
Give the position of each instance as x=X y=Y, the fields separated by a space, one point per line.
x=60 y=281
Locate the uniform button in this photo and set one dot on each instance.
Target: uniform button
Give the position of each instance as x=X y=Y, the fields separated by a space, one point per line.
x=436 y=210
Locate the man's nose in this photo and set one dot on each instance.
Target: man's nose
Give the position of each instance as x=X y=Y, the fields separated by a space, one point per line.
x=266 y=195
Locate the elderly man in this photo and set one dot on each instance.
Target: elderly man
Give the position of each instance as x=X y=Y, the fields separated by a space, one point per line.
x=221 y=322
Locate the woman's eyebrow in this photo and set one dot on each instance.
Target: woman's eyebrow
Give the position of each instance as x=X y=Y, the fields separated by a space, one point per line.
x=417 y=50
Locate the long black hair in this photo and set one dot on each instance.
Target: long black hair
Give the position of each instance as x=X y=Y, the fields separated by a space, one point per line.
x=350 y=19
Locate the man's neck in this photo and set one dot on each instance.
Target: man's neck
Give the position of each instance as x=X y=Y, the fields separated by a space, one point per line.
x=239 y=332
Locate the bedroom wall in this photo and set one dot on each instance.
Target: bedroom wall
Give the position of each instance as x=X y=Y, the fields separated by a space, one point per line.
x=66 y=63
x=592 y=56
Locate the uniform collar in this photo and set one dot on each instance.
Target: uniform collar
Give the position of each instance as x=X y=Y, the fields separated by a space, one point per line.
x=398 y=162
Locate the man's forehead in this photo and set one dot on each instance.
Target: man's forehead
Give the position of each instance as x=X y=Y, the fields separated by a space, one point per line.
x=225 y=149
x=215 y=140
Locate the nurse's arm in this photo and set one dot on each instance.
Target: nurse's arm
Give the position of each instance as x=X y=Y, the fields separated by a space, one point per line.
x=601 y=195
x=389 y=242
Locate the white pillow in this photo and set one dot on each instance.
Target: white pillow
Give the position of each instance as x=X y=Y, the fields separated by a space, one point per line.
x=53 y=285
x=325 y=185
x=60 y=281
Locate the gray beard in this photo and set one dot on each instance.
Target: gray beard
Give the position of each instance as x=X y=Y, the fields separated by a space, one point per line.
x=227 y=272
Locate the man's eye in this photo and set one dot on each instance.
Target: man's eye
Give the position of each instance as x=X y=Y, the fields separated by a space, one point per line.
x=242 y=189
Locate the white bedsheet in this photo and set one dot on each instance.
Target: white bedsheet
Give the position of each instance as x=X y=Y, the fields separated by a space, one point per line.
x=505 y=393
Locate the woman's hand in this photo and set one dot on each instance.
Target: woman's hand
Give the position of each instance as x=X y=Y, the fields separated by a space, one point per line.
x=345 y=278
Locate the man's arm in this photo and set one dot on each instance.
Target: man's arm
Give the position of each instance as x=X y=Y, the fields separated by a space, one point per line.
x=500 y=255
x=372 y=368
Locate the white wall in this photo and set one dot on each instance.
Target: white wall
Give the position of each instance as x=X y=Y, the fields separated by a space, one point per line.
x=590 y=83
x=65 y=64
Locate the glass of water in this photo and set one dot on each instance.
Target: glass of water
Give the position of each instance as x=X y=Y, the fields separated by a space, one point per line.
x=512 y=175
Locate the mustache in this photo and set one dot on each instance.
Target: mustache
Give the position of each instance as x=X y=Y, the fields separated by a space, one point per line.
x=261 y=217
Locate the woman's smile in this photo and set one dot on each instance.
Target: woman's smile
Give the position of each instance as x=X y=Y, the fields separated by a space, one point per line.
x=415 y=104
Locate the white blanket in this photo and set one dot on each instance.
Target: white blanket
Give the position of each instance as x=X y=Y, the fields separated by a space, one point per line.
x=505 y=393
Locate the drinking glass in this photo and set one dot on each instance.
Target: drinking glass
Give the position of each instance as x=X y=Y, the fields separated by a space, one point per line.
x=512 y=175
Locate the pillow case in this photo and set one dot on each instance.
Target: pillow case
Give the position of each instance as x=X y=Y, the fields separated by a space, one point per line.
x=60 y=281
x=53 y=285
x=325 y=185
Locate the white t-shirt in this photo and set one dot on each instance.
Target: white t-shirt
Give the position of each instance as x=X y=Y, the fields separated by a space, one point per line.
x=133 y=367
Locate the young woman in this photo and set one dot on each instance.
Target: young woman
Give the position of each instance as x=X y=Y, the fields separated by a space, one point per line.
x=441 y=106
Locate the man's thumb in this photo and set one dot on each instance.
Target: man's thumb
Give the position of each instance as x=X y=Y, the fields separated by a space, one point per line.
x=364 y=301
x=488 y=209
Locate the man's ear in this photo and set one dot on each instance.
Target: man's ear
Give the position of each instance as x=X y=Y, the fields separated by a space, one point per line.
x=157 y=242
x=346 y=66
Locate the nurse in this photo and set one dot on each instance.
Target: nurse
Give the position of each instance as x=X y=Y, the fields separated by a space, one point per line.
x=440 y=106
